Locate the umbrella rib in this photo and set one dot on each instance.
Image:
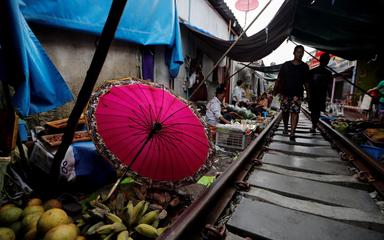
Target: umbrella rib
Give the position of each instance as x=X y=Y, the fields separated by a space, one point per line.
x=183 y=157
x=169 y=126
x=156 y=144
x=128 y=95
x=182 y=133
x=127 y=126
x=184 y=145
x=126 y=156
x=162 y=104
x=144 y=157
x=145 y=96
x=117 y=140
x=174 y=113
x=119 y=103
x=119 y=115
x=143 y=124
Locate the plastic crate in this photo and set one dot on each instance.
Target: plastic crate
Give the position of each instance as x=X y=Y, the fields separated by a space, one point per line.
x=232 y=138
x=376 y=153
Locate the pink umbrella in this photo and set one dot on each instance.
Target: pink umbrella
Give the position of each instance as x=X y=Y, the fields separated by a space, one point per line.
x=145 y=128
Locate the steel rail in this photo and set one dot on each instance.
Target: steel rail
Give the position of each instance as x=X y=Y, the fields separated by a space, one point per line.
x=357 y=156
x=196 y=215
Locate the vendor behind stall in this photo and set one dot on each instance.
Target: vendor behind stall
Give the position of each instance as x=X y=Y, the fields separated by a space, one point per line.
x=213 y=114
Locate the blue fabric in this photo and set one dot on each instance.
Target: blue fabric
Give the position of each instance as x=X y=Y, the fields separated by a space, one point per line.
x=90 y=166
x=146 y=22
x=41 y=88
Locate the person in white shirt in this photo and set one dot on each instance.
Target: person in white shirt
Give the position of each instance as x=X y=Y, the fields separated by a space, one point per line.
x=213 y=113
x=238 y=93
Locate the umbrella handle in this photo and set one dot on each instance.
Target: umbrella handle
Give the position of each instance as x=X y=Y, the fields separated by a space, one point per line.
x=113 y=189
x=155 y=129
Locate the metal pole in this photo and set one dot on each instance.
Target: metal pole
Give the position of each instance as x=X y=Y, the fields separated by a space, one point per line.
x=229 y=49
x=93 y=72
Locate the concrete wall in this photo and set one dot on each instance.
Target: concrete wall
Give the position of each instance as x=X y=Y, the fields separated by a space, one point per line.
x=72 y=53
x=201 y=14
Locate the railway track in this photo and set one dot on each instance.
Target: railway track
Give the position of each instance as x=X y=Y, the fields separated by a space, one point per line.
x=320 y=186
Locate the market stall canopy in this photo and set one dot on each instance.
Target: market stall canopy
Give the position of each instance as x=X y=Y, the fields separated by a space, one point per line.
x=265 y=69
x=39 y=87
x=348 y=29
x=143 y=22
x=256 y=46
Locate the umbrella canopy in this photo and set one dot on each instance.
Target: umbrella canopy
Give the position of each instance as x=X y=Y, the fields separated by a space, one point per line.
x=144 y=126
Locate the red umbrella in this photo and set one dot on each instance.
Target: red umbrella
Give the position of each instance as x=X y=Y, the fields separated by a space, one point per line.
x=147 y=129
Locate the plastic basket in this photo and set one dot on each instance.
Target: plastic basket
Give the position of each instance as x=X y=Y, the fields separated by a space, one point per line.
x=232 y=138
x=375 y=152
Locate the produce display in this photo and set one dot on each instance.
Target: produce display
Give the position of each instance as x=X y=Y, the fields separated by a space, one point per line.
x=54 y=140
x=134 y=212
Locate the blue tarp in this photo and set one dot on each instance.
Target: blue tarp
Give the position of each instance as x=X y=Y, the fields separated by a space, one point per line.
x=39 y=87
x=146 y=22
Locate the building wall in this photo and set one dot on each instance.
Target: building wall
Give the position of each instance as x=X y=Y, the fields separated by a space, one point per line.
x=201 y=14
x=72 y=53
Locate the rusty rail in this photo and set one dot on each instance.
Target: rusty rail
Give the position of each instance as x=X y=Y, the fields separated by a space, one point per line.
x=192 y=217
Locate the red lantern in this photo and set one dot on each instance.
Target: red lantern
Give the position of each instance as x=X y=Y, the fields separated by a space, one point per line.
x=246 y=5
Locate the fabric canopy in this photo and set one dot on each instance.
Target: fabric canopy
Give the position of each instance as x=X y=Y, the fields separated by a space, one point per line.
x=349 y=29
x=346 y=28
x=39 y=87
x=258 y=45
x=145 y=22
x=268 y=69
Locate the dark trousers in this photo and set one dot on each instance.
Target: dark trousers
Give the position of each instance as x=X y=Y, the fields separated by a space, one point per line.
x=315 y=115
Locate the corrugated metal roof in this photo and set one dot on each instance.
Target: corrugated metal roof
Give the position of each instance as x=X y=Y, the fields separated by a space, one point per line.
x=223 y=9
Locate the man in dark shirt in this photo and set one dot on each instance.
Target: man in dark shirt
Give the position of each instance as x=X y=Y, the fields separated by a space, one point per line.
x=292 y=79
x=319 y=85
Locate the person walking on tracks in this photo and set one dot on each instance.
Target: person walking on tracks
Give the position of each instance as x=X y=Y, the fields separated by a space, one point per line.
x=292 y=78
x=319 y=84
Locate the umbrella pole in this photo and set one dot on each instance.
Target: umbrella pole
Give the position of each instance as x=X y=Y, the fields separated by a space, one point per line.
x=93 y=72
x=156 y=128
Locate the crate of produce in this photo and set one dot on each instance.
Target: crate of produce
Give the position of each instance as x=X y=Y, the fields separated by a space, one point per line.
x=232 y=138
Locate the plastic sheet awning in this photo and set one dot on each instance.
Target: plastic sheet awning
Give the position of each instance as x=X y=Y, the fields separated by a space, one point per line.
x=145 y=22
x=346 y=28
x=258 y=45
x=38 y=85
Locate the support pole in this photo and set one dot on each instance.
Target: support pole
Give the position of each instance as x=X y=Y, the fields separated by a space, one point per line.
x=93 y=72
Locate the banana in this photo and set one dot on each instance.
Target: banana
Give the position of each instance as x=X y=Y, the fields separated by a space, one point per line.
x=161 y=230
x=145 y=208
x=109 y=228
x=124 y=235
x=155 y=224
x=92 y=230
x=130 y=212
x=98 y=212
x=105 y=229
x=118 y=227
x=150 y=217
x=101 y=205
x=147 y=230
x=109 y=236
x=113 y=218
x=135 y=214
